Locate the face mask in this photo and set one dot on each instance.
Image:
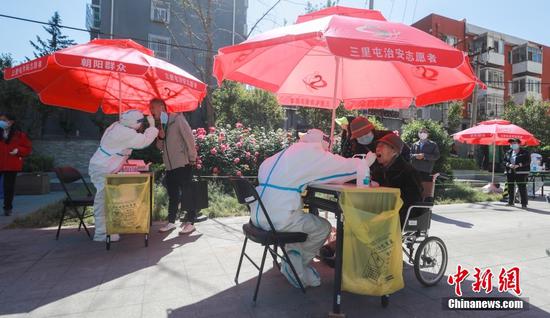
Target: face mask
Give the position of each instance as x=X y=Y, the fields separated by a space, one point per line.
x=423 y=136
x=163 y=118
x=366 y=139
x=3 y=124
x=514 y=146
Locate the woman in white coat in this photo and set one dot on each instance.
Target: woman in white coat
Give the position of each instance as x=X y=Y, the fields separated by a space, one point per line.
x=115 y=147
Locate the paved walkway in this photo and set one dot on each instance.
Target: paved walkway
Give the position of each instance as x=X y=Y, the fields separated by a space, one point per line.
x=26 y=204
x=191 y=276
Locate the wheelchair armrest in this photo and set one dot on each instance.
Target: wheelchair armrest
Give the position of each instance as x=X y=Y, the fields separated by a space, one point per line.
x=422 y=205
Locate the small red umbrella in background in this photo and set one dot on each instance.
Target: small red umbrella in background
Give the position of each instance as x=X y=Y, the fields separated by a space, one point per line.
x=495 y=132
x=349 y=55
x=115 y=75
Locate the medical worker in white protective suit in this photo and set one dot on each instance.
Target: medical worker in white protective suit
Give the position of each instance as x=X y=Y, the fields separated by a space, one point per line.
x=282 y=178
x=115 y=147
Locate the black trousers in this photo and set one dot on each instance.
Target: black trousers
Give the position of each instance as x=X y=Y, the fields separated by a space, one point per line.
x=520 y=180
x=9 y=188
x=178 y=185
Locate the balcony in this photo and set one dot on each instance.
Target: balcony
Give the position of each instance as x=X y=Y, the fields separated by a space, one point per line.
x=493 y=58
x=520 y=98
x=527 y=67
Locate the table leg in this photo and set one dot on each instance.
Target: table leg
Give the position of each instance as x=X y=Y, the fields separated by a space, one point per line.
x=338 y=267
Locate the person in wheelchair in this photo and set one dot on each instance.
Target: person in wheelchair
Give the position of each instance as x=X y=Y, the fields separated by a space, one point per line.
x=393 y=171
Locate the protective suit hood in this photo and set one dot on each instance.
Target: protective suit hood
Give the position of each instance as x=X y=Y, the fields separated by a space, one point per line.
x=131 y=119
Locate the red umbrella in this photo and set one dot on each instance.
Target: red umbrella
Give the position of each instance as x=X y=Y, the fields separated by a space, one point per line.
x=115 y=74
x=350 y=55
x=495 y=132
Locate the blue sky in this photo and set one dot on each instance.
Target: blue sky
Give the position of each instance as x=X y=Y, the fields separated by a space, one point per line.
x=527 y=19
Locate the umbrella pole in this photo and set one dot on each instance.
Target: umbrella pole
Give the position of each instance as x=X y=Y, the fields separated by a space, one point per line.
x=494 y=154
x=334 y=102
x=119 y=96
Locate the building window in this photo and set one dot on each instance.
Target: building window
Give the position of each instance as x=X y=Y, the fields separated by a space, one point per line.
x=451 y=40
x=533 y=85
x=534 y=54
x=519 y=86
x=160 y=11
x=492 y=77
x=161 y=46
x=527 y=53
x=498 y=46
x=93 y=16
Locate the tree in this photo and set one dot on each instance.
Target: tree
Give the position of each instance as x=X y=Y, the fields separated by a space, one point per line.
x=252 y=107
x=454 y=116
x=437 y=135
x=534 y=116
x=18 y=99
x=55 y=42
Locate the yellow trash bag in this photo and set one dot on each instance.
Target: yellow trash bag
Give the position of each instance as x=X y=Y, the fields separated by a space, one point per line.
x=372 y=258
x=127 y=203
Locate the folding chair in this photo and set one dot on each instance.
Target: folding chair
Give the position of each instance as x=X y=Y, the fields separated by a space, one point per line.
x=67 y=175
x=247 y=194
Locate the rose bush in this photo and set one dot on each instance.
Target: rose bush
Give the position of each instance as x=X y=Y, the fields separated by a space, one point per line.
x=227 y=150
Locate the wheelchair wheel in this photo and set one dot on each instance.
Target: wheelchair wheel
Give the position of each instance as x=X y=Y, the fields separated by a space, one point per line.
x=430 y=261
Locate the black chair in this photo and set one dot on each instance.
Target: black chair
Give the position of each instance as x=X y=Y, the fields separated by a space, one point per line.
x=247 y=194
x=68 y=175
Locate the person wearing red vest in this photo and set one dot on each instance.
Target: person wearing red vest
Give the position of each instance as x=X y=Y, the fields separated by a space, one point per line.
x=14 y=146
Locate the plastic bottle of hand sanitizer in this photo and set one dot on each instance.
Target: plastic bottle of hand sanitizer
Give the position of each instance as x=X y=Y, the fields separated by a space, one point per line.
x=363 y=172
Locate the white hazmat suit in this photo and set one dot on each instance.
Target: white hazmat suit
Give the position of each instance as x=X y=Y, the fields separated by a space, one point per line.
x=282 y=179
x=115 y=147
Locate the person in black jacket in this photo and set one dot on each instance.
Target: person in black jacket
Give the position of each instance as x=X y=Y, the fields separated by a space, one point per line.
x=516 y=163
x=393 y=171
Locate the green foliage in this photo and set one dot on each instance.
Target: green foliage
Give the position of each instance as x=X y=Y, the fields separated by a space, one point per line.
x=454 y=116
x=222 y=202
x=56 y=40
x=462 y=164
x=38 y=163
x=149 y=154
x=534 y=116
x=436 y=134
x=252 y=107
x=17 y=98
x=160 y=207
x=462 y=193
x=237 y=151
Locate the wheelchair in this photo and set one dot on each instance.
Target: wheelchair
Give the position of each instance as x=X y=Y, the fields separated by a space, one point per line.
x=428 y=254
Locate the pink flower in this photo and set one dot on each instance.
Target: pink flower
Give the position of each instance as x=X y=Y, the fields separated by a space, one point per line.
x=201 y=137
x=215 y=170
x=221 y=137
x=213 y=151
x=239 y=144
x=247 y=155
x=201 y=131
x=212 y=130
x=239 y=173
x=199 y=166
x=239 y=125
x=236 y=161
x=194 y=131
x=256 y=154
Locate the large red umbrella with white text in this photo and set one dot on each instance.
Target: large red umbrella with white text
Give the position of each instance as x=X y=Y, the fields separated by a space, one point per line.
x=352 y=56
x=115 y=75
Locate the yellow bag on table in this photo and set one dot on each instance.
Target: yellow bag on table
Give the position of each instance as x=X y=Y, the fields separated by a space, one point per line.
x=372 y=258
x=127 y=205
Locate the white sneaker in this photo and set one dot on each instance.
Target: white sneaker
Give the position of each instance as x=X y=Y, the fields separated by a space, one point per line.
x=187 y=228
x=115 y=238
x=168 y=227
x=312 y=277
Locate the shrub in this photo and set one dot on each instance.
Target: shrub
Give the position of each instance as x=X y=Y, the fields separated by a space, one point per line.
x=462 y=164
x=237 y=151
x=456 y=192
x=38 y=163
